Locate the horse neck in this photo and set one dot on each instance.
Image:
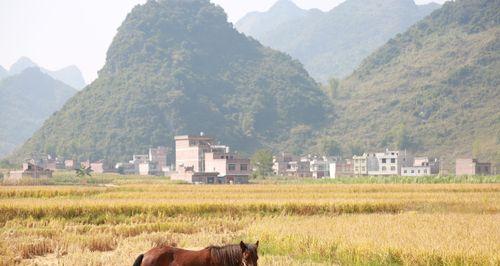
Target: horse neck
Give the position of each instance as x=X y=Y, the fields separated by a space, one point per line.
x=230 y=255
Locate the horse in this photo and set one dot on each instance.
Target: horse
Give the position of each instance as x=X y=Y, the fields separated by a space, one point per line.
x=229 y=255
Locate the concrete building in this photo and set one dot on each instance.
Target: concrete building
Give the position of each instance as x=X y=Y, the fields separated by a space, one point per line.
x=319 y=167
x=199 y=160
x=360 y=164
x=125 y=168
x=97 y=167
x=386 y=163
x=159 y=157
x=344 y=168
x=227 y=164
x=190 y=152
x=332 y=170
x=422 y=166
x=70 y=164
x=188 y=174
x=299 y=168
x=472 y=167
x=281 y=163
x=287 y=164
x=149 y=168
x=30 y=171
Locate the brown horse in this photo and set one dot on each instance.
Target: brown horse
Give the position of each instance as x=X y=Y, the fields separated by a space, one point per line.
x=230 y=255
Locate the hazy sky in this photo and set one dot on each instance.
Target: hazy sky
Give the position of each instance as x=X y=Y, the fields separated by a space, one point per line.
x=58 y=33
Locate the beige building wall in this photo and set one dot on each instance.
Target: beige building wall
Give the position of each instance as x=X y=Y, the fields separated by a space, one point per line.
x=190 y=151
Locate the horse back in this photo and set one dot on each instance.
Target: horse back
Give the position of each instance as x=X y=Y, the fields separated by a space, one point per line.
x=171 y=256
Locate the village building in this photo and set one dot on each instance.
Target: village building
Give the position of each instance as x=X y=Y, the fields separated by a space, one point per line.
x=158 y=156
x=281 y=163
x=187 y=174
x=149 y=168
x=286 y=164
x=360 y=164
x=380 y=163
x=199 y=160
x=471 y=167
x=190 y=151
x=332 y=173
x=319 y=167
x=229 y=165
x=299 y=168
x=422 y=166
x=125 y=168
x=96 y=167
x=70 y=164
x=30 y=171
x=344 y=168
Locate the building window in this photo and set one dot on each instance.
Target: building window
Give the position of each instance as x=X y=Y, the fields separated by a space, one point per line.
x=231 y=167
x=393 y=168
x=412 y=171
x=384 y=160
x=425 y=171
x=384 y=168
x=418 y=171
x=244 y=167
x=405 y=171
x=393 y=160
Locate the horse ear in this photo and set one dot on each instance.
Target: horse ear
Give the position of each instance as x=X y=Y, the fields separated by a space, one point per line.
x=257 y=244
x=243 y=246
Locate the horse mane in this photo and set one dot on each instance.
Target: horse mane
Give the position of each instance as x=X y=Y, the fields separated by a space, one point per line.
x=229 y=255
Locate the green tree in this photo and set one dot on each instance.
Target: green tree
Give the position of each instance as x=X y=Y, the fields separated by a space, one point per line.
x=329 y=146
x=262 y=162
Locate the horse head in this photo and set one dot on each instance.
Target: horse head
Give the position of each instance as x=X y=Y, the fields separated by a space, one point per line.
x=249 y=254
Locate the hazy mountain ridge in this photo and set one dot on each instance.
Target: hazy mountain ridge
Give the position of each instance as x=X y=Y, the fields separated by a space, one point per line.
x=26 y=100
x=70 y=75
x=333 y=44
x=257 y=24
x=3 y=73
x=178 y=67
x=433 y=89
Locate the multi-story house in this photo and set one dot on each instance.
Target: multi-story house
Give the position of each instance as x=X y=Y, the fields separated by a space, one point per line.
x=228 y=165
x=319 y=167
x=422 y=166
x=360 y=164
x=281 y=163
x=158 y=156
x=198 y=160
x=299 y=168
x=190 y=152
x=29 y=170
x=344 y=168
x=472 y=167
x=385 y=163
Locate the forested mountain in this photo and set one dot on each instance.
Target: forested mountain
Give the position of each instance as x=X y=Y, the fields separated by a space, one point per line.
x=332 y=44
x=178 y=67
x=433 y=89
x=3 y=72
x=70 y=75
x=26 y=100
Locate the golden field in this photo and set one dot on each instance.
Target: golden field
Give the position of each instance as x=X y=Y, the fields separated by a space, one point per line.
x=297 y=224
